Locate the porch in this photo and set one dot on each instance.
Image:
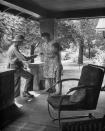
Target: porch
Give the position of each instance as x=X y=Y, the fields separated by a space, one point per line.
x=33 y=115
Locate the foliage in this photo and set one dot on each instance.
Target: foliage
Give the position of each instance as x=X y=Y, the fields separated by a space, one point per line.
x=32 y=31
x=65 y=29
x=79 y=34
x=99 y=58
x=11 y=25
x=70 y=54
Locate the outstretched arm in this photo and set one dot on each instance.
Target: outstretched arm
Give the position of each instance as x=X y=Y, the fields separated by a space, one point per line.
x=21 y=57
x=30 y=57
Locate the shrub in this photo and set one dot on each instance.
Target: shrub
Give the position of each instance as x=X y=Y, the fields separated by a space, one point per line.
x=99 y=58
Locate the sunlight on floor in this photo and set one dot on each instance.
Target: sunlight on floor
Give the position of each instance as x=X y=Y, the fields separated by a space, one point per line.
x=17 y=104
x=34 y=93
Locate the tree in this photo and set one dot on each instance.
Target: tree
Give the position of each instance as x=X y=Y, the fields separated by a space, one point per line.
x=11 y=25
x=89 y=33
x=65 y=29
x=70 y=31
x=80 y=32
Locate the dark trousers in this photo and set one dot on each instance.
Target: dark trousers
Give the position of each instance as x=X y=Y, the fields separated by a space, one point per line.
x=29 y=81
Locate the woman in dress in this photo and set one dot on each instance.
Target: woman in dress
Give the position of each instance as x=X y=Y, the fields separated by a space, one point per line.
x=50 y=55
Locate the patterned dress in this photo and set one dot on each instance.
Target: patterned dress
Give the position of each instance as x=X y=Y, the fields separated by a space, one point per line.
x=51 y=60
x=51 y=69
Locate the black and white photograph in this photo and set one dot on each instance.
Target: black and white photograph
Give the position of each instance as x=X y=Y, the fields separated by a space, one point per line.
x=52 y=65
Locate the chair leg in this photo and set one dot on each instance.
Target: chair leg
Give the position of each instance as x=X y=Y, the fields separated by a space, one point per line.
x=59 y=113
x=75 y=117
x=65 y=118
x=54 y=119
x=50 y=113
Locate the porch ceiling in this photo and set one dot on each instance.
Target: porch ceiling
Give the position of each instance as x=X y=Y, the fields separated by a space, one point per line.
x=56 y=8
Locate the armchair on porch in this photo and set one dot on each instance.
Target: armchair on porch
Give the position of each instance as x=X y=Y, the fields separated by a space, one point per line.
x=85 y=96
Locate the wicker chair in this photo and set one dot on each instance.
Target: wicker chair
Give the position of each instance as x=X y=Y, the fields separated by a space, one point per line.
x=85 y=96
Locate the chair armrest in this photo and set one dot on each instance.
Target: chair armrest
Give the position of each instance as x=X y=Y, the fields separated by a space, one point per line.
x=81 y=87
x=63 y=80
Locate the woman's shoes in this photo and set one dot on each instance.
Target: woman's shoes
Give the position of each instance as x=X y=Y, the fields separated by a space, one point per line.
x=27 y=95
x=49 y=90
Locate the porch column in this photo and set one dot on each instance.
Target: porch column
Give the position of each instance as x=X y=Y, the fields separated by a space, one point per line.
x=47 y=25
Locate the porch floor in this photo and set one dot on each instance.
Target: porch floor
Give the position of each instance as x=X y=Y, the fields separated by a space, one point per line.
x=34 y=114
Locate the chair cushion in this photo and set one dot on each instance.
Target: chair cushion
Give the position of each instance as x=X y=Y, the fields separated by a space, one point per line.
x=78 y=96
x=54 y=101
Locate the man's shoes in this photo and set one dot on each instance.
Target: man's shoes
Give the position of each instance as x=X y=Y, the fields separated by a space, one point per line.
x=27 y=95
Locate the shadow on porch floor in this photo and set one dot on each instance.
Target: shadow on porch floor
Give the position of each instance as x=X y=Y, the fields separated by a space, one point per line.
x=34 y=115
